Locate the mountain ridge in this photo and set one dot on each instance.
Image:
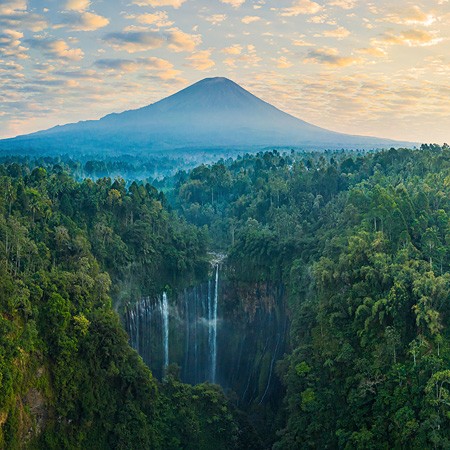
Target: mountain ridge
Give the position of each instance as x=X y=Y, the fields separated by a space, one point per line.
x=211 y=113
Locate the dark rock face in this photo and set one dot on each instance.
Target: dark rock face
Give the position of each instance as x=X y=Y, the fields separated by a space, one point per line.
x=238 y=348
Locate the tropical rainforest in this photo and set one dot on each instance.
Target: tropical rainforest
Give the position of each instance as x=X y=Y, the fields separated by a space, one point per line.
x=359 y=242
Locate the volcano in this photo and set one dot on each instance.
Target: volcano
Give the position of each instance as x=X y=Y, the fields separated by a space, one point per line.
x=214 y=113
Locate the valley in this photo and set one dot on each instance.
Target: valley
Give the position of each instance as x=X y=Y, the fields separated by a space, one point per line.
x=333 y=291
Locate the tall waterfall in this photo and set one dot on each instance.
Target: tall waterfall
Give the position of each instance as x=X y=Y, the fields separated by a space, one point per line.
x=218 y=331
x=213 y=327
x=165 y=318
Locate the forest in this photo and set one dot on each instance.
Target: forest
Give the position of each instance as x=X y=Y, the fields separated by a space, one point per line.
x=359 y=242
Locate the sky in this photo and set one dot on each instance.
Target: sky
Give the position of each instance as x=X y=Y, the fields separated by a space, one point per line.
x=379 y=68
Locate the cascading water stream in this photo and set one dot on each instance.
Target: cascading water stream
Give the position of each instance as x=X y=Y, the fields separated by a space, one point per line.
x=239 y=351
x=165 y=321
x=213 y=328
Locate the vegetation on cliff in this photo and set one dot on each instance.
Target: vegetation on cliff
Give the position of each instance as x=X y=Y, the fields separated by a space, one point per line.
x=359 y=241
x=68 y=378
x=362 y=244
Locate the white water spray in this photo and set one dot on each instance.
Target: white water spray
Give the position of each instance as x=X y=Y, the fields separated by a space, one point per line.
x=165 y=322
x=213 y=327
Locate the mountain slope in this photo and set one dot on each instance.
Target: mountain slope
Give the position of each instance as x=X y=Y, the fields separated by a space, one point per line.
x=212 y=113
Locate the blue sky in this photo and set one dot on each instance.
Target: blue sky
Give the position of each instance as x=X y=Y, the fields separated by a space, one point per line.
x=375 y=68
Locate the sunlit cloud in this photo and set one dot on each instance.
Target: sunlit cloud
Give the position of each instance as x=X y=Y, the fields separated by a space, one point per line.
x=179 y=41
x=11 y=44
x=85 y=21
x=156 y=3
x=412 y=38
x=283 y=63
x=339 y=33
x=344 y=4
x=330 y=57
x=55 y=48
x=201 y=60
x=234 y=3
x=376 y=52
x=302 y=43
x=247 y=58
x=78 y=5
x=235 y=49
x=216 y=18
x=412 y=15
x=14 y=14
x=250 y=19
x=159 y=19
x=301 y=7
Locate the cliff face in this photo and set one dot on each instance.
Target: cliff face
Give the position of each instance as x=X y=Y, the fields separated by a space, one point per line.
x=30 y=409
x=228 y=332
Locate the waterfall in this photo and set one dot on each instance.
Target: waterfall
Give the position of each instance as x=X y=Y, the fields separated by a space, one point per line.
x=240 y=351
x=165 y=321
x=213 y=328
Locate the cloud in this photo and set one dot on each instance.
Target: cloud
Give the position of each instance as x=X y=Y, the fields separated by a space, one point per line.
x=79 y=74
x=234 y=3
x=159 y=19
x=283 y=63
x=246 y=59
x=11 y=44
x=85 y=21
x=78 y=5
x=10 y=66
x=344 y=4
x=322 y=19
x=55 y=48
x=155 y=3
x=377 y=52
x=179 y=41
x=331 y=57
x=411 y=38
x=339 y=33
x=124 y=65
x=235 y=49
x=14 y=14
x=301 y=7
x=250 y=19
x=130 y=65
x=411 y=15
x=161 y=68
x=201 y=60
x=139 y=41
x=135 y=41
x=216 y=18
x=301 y=43
x=8 y=7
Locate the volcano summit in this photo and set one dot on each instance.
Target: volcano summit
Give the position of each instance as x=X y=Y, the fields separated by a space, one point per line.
x=214 y=113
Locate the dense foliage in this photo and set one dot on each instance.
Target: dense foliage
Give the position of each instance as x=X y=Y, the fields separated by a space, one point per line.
x=362 y=243
x=68 y=378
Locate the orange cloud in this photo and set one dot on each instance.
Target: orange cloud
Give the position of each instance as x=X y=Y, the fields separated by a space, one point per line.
x=412 y=38
x=301 y=7
x=234 y=3
x=330 y=57
x=201 y=60
x=339 y=33
x=78 y=5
